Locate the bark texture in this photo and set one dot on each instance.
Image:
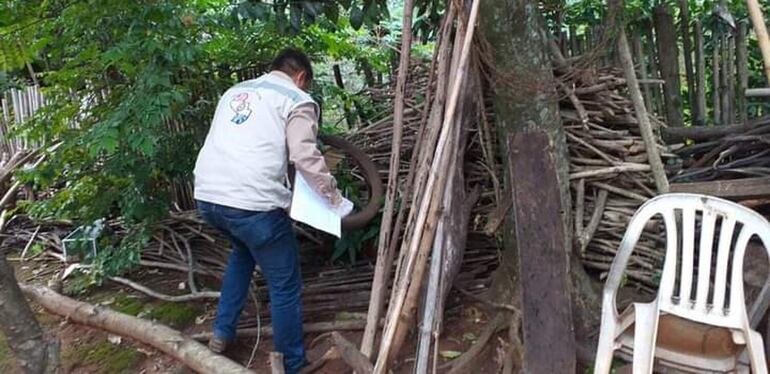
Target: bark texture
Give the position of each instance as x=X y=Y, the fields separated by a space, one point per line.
x=23 y=333
x=525 y=100
x=167 y=340
x=668 y=55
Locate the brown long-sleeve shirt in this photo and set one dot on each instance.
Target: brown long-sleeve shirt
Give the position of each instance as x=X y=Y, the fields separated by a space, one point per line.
x=301 y=135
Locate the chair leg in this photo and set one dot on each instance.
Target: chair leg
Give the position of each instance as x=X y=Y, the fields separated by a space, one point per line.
x=756 y=352
x=645 y=332
x=605 y=351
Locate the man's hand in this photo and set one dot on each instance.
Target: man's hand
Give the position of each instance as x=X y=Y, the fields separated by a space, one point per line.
x=336 y=199
x=341 y=205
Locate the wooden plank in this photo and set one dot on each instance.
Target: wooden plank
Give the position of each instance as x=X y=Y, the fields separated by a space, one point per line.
x=549 y=344
x=757 y=92
x=747 y=188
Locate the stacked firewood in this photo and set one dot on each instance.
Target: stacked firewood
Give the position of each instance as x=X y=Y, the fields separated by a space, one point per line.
x=184 y=244
x=726 y=152
x=609 y=172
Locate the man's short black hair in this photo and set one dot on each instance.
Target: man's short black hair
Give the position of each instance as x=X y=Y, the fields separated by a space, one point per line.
x=292 y=61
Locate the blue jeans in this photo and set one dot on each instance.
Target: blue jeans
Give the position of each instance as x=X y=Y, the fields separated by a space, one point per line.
x=266 y=239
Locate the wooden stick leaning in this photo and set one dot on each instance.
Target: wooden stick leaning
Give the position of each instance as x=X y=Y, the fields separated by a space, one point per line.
x=409 y=309
x=390 y=327
x=653 y=155
x=384 y=254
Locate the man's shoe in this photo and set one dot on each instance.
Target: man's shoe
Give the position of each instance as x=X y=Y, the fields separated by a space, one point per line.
x=217 y=345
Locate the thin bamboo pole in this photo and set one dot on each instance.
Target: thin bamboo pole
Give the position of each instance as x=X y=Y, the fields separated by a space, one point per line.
x=653 y=154
x=392 y=323
x=384 y=254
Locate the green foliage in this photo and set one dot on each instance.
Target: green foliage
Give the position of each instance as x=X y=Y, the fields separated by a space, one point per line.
x=353 y=242
x=132 y=86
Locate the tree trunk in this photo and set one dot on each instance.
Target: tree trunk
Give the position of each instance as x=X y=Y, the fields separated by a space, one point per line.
x=349 y=116
x=742 y=71
x=723 y=80
x=668 y=55
x=368 y=73
x=684 y=14
x=652 y=53
x=22 y=332
x=700 y=72
x=574 y=42
x=525 y=101
x=715 y=81
x=730 y=118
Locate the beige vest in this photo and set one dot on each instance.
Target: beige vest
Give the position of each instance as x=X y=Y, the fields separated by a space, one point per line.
x=244 y=159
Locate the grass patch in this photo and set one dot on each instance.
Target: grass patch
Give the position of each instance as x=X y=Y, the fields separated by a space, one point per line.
x=127 y=305
x=108 y=357
x=175 y=315
x=6 y=357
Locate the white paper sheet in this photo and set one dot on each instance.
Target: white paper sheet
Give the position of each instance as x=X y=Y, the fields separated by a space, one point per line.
x=311 y=209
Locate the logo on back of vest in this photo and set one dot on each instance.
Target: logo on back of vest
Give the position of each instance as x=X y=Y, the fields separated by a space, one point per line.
x=241 y=106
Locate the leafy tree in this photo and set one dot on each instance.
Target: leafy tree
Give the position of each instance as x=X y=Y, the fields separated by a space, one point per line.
x=132 y=86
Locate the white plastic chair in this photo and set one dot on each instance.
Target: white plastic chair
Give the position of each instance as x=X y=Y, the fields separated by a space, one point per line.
x=735 y=219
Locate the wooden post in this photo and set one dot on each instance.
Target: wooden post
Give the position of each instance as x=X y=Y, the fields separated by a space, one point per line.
x=716 y=102
x=700 y=72
x=742 y=71
x=730 y=117
x=652 y=55
x=545 y=297
x=755 y=12
x=669 y=64
x=684 y=24
x=642 y=63
x=723 y=78
x=574 y=43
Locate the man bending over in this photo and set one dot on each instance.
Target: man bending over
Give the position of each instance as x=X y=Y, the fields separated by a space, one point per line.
x=259 y=127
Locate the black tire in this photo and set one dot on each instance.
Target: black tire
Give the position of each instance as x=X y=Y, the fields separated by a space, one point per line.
x=359 y=219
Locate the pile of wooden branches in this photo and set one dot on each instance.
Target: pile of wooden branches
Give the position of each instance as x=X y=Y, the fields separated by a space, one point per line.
x=609 y=172
x=184 y=244
x=725 y=152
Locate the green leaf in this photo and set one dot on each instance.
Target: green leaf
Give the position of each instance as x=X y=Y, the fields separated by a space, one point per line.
x=356 y=18
x=450 y=355
x=340 y=248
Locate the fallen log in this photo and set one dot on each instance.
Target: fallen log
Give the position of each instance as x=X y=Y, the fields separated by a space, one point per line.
x=700 y=133
x=191 y=353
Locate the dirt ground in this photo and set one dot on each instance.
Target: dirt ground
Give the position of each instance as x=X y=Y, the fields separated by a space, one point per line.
x=87 y=350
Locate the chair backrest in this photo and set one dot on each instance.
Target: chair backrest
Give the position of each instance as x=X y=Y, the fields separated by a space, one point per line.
x=687 y=288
